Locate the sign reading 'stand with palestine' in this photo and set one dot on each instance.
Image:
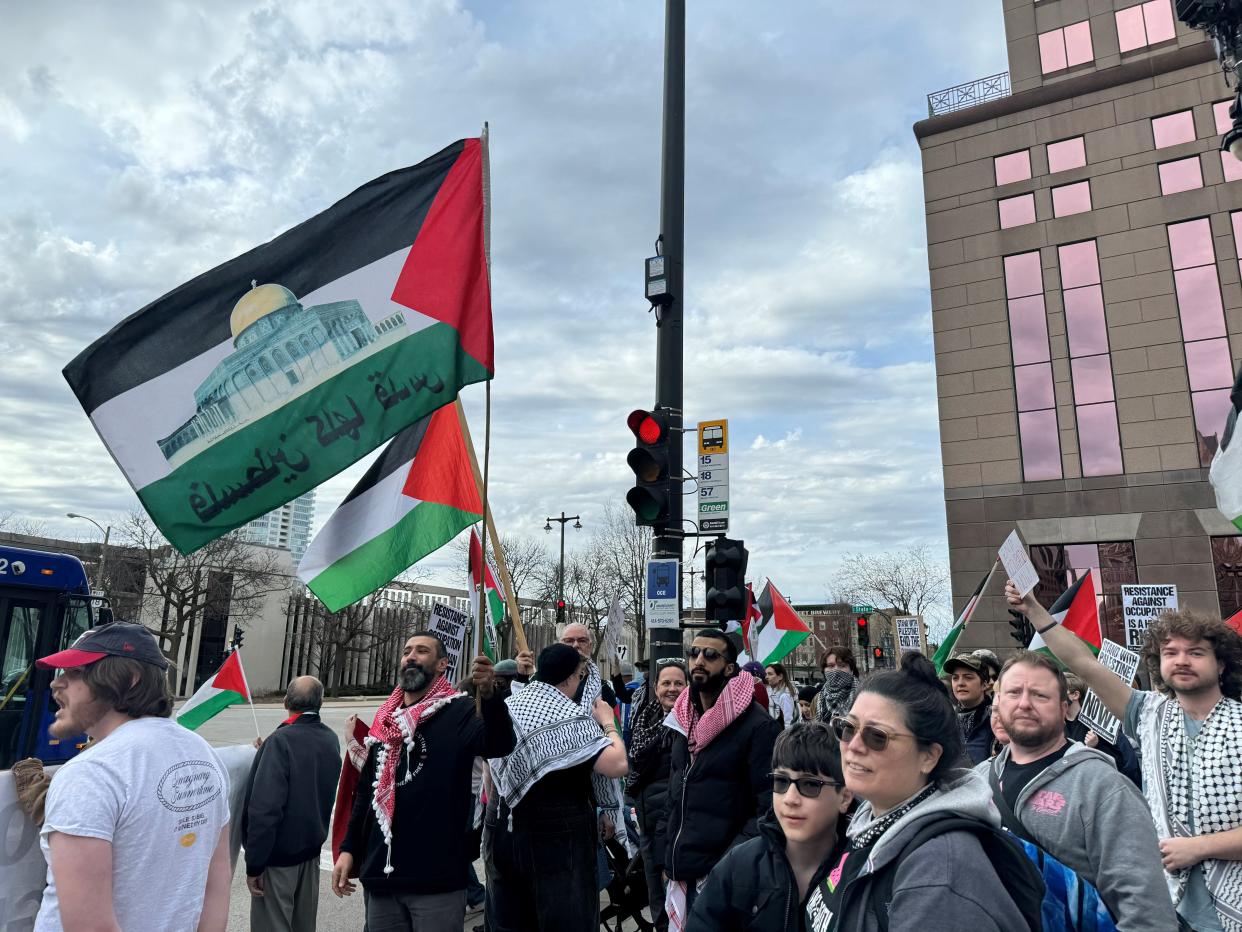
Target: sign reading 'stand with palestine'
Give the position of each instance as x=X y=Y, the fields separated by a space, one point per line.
x=713 y=476
x=909 y=632
x=1124 y=663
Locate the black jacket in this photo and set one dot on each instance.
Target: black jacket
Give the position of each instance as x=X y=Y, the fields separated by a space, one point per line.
x=979 y=741
x=650 y=795
x=431 y=817
x=754 y=888
x=715 y=800
x=289 y=795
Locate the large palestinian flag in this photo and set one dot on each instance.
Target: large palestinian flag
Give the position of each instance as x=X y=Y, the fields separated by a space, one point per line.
x=414 y=499
x=783 y=629
x=1078 y=612
x=256 y=381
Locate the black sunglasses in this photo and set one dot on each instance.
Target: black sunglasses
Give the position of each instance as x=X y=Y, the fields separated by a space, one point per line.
x=875 y=738
x=709 y=653
x=808 y=787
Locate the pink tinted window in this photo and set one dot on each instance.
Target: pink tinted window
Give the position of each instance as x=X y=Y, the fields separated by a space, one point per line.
x=1071 y=199
x=1066 y=154
x=1079 y=265
x=1199 y=304
x=1211 y=409
x=1099 y=443
x=1182 y=175
x=1016 y=166
x=1209 y=364
x=1231 y=167
x=1023 y=276
x=1034 y=386
x=1190 y=243
x=1093 y=379
x=1131 y=33
x=1016 y=211
x=1041 y=445
x=1052 y=51
x=1084 y=317
x=1158 y=17
x=1028 y=327
x=1220 y=113
x=1236 y=219
x=1174 y=129
x=1078 y=49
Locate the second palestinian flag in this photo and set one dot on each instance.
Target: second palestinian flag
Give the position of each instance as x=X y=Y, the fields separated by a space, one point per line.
x=783 y=628
x=1078 y=612
x=492 y=610
x=413 y=500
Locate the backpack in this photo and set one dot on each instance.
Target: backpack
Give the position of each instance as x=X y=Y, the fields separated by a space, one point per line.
x=1003 y=851
x=1071 y=903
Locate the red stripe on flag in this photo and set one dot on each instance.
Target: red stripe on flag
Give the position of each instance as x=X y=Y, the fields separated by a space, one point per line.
x=1083 y=616
x=441 y=470
x=230 y=676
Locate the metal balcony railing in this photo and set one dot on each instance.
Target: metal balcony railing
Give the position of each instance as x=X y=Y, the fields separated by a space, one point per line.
x=967 y=95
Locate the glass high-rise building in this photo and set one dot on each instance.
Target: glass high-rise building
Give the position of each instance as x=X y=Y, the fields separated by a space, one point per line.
x=288 y=526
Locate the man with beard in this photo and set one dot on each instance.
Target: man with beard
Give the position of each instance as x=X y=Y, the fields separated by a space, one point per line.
x=148 y=799
x=718 y=776
x=970 y=679
x=1070 y=800
x=1188 y=736
x=406 y=840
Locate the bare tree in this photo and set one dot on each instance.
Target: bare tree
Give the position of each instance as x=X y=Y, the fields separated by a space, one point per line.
x=589 y=588
x=12 y=523
x=898 y=582
x=530 y=568
x=625 y=549
x=358 y=629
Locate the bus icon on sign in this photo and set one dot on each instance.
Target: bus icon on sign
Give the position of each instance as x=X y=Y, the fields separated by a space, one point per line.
x=713 y=437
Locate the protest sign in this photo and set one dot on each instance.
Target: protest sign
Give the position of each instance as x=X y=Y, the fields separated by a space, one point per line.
x=909 y=632
x=1018 y=563
x=1123 y=662
x=1142 y=605
x=612 y=633
x=452 y=627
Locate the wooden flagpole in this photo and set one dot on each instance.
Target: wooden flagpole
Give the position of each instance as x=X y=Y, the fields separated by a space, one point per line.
x=505 y=582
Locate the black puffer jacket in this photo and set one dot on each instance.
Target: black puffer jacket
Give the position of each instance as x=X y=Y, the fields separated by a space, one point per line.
x=651 y=792
x=753 y=888
x=715 y=800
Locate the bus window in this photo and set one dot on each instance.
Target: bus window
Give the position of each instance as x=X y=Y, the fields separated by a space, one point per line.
x=77 y=620
x=20 y=628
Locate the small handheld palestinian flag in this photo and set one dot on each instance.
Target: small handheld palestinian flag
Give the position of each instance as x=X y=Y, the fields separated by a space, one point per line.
x=228 y=687
x=945 y=650
x=485 y=589
x=1225 y=473
x=258 y=380
x=1078 y=611
x=416 y=497
x=783 y=628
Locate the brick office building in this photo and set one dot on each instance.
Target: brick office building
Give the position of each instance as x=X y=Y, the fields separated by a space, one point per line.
x=1084 y=235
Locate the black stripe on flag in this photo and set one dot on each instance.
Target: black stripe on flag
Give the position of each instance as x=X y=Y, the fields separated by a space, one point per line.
x=397 y=455
x=765 y=603
x=374 y=221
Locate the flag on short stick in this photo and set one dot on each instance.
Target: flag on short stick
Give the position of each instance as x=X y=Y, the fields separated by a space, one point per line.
x=1078 y=611
x=486 y=602
x=228 y=687
x=783 y=629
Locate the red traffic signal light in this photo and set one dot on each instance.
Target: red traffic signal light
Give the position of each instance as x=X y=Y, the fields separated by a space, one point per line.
x=862 y=622
x=878 y=653
x=646 y=426
x=560 y=603
x=649 y=461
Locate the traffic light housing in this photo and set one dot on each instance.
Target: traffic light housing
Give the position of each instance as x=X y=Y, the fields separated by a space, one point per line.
x=1022 y=629
x=560 y=611
x=653 y=486
x=726 y=580
x=864 y=631
x=238 y=636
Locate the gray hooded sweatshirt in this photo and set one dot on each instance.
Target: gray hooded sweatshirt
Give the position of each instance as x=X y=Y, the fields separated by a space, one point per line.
x=944 y=885
x=1095 y=821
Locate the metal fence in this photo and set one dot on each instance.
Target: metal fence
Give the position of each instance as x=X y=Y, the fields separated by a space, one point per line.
x=971 y=94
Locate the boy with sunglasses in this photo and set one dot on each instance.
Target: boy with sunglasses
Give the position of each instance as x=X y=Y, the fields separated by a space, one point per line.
x=772 y=883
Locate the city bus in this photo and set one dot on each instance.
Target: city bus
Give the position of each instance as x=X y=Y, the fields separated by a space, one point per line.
x=45 y=603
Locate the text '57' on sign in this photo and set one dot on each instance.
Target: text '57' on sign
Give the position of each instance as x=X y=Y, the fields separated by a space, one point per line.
x=713 y=476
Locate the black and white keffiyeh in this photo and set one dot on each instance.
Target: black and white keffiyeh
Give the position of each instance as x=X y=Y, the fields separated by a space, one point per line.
x=864 y=830
x=837 y=695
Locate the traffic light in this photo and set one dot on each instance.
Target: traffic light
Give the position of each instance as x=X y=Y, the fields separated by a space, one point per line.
x=560 y=611
x=877 y=653
x=1022 y=631
x=725 y=580
x=864 y=633
x=653 y=489
x=238 y=636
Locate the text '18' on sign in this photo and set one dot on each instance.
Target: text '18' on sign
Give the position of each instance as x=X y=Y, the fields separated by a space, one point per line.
x=713 y=476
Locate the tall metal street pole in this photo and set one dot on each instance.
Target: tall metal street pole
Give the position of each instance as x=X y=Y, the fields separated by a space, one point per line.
x=666 y=642
x=560 y=578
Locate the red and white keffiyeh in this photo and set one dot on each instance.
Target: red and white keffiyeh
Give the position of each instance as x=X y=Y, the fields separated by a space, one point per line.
x=395 y=725
x=700 y=730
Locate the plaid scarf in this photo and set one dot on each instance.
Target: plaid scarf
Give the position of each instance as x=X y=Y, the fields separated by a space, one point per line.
x=646 y=733
x=700 y=730
x=393 y=727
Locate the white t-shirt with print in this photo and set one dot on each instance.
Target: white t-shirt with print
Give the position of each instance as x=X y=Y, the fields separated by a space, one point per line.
x=159 y=794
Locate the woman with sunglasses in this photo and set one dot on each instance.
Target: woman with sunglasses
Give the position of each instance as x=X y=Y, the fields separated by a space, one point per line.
x=772 y=883
x=902 y=754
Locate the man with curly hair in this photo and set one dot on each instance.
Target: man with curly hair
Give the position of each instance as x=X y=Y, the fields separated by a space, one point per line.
x=1190 y=734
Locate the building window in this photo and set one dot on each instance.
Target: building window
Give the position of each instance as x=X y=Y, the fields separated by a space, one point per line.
x=1224 y=122
x=1144 y=25
x=1016 y=211
x=1173 y=129
x=1091 y=372
x=1066 y=154
x=1032 y=368
x=1016 y=166
x=1227 y=557
x=1181 y=175
x=1111 y=565
x=1066 y=47
x=1201 y=312
x=1071 y=199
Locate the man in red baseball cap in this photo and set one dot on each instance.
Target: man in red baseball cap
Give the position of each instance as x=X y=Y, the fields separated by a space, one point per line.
x=147 y=799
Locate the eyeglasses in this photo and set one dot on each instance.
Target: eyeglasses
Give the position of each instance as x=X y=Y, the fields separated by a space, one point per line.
x=708 y=653
x=874 y=737
x=808 y=787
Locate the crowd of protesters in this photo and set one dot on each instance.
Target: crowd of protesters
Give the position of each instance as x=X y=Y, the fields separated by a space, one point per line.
x=972 y=797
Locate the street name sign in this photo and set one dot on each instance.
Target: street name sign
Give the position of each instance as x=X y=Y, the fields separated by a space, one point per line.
x=713 y=476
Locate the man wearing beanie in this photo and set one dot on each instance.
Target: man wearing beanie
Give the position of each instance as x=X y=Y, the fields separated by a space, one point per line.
x=540 y=841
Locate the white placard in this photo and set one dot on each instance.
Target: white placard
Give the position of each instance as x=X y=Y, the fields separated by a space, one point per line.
x=1124 y=663
x=1018 y=563
x=1142 y=605
x=662 y=580
x=453 y=628
x=909 y=633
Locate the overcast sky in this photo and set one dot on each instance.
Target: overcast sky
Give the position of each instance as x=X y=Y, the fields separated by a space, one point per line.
x=143 y=143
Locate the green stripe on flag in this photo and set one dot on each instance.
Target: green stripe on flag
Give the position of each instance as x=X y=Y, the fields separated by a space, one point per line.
x=209 y=708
